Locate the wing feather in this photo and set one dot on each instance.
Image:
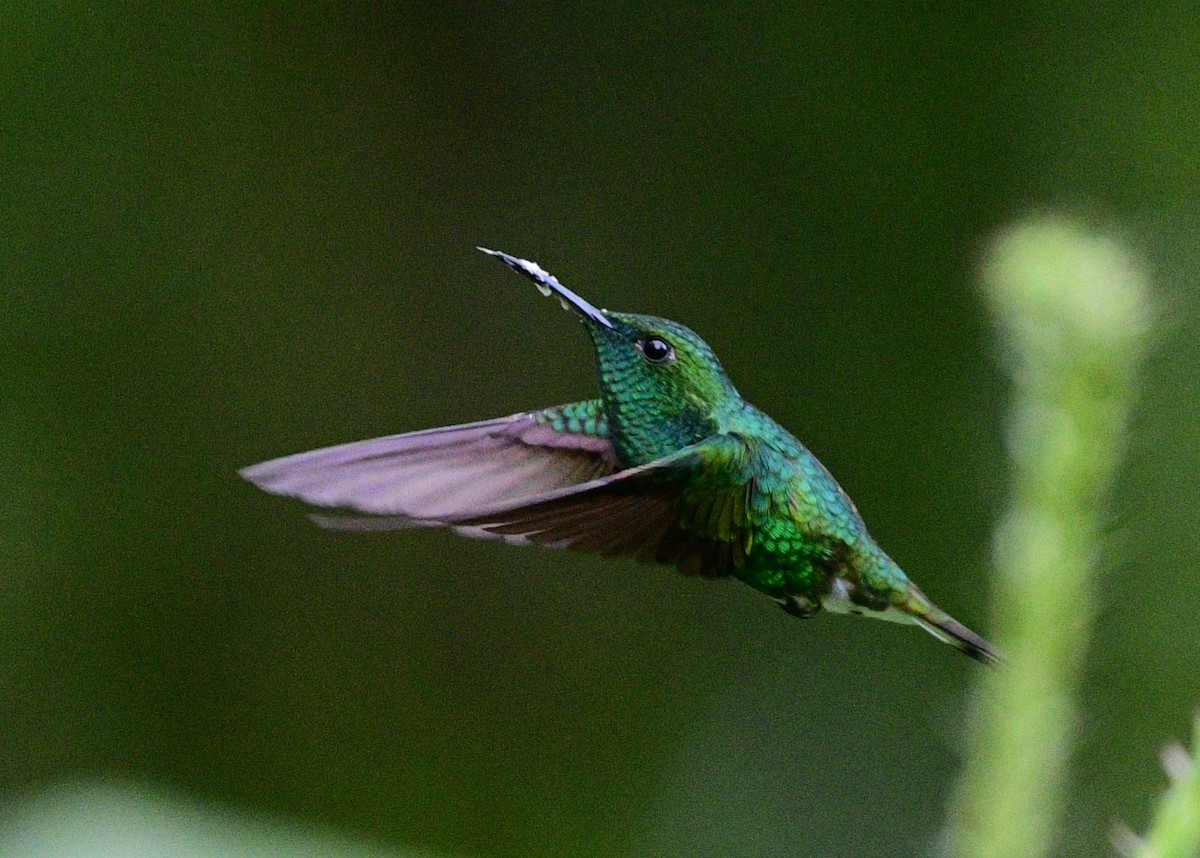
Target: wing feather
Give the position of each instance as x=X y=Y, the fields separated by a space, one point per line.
x=441 y=473
x=652 y=512
x=520 y=481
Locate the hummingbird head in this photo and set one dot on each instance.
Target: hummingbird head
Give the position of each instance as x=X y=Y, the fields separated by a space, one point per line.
x=663 y=387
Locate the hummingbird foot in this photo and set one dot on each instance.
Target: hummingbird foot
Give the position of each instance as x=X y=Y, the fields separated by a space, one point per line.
x=799 y=606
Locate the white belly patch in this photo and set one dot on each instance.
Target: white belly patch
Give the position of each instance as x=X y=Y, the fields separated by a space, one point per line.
x=837 y=601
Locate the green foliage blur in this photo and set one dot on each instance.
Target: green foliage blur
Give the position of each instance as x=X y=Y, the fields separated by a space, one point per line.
x=234 y=233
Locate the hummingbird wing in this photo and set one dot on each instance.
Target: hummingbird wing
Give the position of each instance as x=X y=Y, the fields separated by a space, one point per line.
x=439 y=473
x=671 y=511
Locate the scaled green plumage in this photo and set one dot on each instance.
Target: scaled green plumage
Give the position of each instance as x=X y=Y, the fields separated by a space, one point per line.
x=669 y=465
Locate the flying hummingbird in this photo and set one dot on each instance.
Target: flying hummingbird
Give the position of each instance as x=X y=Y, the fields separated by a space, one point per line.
x=669 y=464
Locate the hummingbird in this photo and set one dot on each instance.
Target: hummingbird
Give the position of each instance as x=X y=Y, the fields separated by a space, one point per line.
x=669 y=464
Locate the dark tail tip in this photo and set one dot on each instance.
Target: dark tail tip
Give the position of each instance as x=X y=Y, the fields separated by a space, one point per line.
x=946 y=628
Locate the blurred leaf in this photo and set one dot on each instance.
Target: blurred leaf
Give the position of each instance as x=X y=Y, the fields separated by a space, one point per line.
x=106 y=820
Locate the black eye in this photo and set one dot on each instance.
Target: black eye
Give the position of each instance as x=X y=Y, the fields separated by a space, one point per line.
x=656 y=350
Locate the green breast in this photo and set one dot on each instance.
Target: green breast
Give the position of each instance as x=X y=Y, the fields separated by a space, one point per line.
x=785 y=559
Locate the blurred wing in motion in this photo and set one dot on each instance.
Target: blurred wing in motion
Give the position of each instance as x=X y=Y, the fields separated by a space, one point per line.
x=422 y=477
x=653 y=512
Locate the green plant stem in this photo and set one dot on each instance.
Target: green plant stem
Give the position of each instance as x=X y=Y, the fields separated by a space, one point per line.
x=1175 y=829
x=1071 y=307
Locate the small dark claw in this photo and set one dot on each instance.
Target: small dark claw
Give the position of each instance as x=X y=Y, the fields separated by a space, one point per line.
x=799 y=606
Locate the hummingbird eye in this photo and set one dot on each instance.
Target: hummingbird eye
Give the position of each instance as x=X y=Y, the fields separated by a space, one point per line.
x=656 y=350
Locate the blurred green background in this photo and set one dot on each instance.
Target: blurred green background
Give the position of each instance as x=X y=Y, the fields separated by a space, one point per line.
x=234 y=233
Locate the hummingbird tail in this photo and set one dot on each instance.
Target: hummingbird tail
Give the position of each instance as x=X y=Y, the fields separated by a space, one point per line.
x=949 y=630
